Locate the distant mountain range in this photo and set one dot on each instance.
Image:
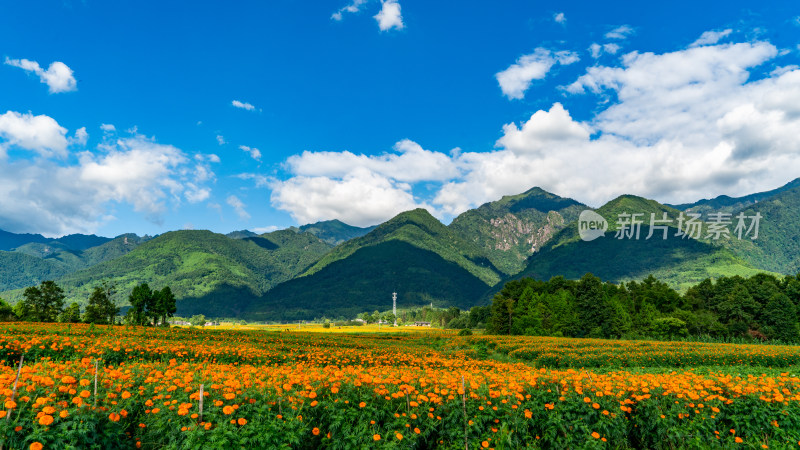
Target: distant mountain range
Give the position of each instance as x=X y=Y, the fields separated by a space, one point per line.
x=333 y=269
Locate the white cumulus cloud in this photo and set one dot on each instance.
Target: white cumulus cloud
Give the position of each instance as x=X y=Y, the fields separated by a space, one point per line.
x=41 y=134
x=58 y=76
x=389 y=16
x=57 y=196
x=560 y=18
x=517 y=78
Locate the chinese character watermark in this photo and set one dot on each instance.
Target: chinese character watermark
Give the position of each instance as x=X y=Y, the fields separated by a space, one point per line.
x=686 y=226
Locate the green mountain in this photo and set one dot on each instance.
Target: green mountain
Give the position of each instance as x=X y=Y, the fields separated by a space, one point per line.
x=677 y=261
x=10 y=241
x=412 y=254
x=420 y=229
x=777 y=246
x=726 y=204
x=35 y=262
x=515 y=227
x=207 y=272
x=334 y=232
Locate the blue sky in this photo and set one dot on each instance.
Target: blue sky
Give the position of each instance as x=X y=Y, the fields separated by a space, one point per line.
x=144 y=116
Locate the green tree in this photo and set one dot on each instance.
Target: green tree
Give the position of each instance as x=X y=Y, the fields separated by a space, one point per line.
x=164 y=305
x=100 y=309
x=6 y=312
x=140 y=298
x=71 y=315
x=198 y=320
x=780 y=318
x=43 y=303
x=669 y=328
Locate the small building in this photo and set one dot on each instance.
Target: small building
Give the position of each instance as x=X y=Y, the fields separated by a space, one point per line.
x=422 y=324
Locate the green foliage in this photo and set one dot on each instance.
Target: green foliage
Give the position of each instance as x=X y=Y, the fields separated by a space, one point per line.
x=197 y=320
x=761 y=306
x=72 y=314
x=100 y=308
x=43 y=303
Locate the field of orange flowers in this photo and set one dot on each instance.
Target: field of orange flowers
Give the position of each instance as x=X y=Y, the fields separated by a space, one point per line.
x=119 y=387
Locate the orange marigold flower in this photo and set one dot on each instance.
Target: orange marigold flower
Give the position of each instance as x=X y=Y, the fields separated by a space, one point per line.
x=45 y=420
x=315 y=431
x=36 y=446
x=11 y=404
x=114 y=417
x=485 y=444
x=228 y=410
x=738 y=440
x=85 y=394
x=63 y=414
x=362 y=404
x=595 y=435
x=242 y=421
x=399 y=436
x=376 y=437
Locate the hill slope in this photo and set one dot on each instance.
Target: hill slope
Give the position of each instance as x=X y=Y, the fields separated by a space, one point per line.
x=726 y=204
x=413 y=253
x=335 y=232
x=777 y=247
x=513 y=228
x=34 y=262
x=678 y=261
x=208 y=272
x=420 y=229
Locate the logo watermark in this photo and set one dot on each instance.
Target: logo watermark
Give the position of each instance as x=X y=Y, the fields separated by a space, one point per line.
x=591 y=225
x=687 y=226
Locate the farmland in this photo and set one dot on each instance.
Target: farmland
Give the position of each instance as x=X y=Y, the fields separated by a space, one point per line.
x=408 y=389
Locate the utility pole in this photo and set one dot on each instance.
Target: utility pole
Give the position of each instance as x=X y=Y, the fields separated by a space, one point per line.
x=394 y=307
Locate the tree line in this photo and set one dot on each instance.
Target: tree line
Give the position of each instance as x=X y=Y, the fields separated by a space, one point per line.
x=762 y=307
x=45 y=303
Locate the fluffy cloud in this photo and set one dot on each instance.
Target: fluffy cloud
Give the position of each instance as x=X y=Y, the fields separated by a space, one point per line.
x=353 y=7
x=517 y=78
x=677 y=126
x=41 y=134
x=252 y=151
x=542 y=131
x=389 y=16
x=597 y=50
x=560 y=18
x=710 y=37
x=243 y=105
x=358 y=189
x=58 y=75
x=685 y=125
x=56 y=197
x=411 y=163
x=237 y=205
x=80 y=137
x=360 y=198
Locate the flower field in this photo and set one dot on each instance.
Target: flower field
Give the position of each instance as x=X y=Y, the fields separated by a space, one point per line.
x=406 y=390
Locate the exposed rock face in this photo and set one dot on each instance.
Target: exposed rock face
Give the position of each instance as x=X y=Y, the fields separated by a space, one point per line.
x=510 y=232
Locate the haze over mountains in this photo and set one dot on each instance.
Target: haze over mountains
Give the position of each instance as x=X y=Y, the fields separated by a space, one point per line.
x=333 y=269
